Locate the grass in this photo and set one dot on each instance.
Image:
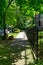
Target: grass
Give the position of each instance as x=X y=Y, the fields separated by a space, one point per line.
x=40 y=42
x=40 y=36
x=9 y=54
x=41 y=32
x=14 y=34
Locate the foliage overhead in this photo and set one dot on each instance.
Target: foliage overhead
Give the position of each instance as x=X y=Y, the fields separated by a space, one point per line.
x=18 y=11
x=30 y=7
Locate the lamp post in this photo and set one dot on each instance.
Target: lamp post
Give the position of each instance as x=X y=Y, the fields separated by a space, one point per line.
x=37 y=44
x=39 y=25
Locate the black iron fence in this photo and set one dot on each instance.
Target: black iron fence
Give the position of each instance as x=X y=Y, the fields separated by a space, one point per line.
x=32 y=34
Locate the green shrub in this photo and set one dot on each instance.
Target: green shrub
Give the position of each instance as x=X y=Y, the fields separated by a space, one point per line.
x=16 y=30
x=10 y=37
x=39 y=62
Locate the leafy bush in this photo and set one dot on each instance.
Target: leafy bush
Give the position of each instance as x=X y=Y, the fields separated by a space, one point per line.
x=39 y=62
x=16 y=30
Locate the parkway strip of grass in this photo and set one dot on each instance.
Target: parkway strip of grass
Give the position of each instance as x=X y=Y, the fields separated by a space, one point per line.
x=13 y=34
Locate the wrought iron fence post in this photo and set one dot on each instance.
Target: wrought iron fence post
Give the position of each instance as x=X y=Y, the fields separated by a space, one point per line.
x=37 y=44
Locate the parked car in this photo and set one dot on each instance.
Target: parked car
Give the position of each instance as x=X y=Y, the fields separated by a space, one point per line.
x=2 y=31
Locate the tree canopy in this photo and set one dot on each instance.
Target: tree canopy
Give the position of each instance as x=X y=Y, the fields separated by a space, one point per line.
x=18 y=11
x=30 y=7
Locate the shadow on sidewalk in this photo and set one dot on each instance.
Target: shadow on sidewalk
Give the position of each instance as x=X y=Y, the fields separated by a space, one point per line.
x=11 y=53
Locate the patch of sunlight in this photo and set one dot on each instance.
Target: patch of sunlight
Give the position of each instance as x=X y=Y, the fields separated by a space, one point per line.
x=40 y=40
x=29 y=56
x=23 y=54
x=12 y=54
x=13 y=63
x=40 y=33
x=0 y=56
x=1 y=46
x=4 y=57
x=12 y=34
x=20 y=62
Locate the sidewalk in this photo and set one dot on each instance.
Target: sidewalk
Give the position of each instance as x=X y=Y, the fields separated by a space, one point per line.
x=25 y=60
x=26 y=55
x=22 y=35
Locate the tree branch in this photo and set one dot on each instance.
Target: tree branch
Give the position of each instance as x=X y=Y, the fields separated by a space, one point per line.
x=10 y=1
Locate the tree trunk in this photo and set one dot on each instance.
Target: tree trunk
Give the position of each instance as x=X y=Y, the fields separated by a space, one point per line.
x=4 y=27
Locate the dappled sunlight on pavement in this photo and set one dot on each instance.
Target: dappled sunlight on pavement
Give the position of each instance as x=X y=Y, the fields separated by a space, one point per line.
x=26 y=55
x=26 y=58
x=17 y=52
